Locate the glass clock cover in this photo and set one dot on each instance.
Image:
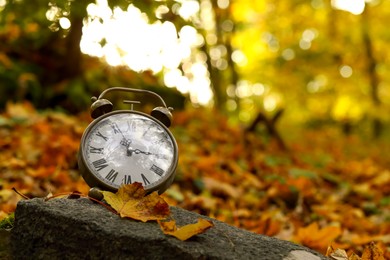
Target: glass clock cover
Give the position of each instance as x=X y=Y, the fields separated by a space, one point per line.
x=126 y=147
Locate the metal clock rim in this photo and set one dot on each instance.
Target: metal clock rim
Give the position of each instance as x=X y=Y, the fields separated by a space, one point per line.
x=85 y=169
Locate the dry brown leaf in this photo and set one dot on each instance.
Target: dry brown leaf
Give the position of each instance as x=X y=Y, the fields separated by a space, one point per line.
x=131 y=201
x=185 y=232
x=338 y=254
x=220 y=187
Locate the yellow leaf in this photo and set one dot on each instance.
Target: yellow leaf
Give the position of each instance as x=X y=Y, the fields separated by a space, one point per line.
x=20 y=110
x=185 y=232
x=131 y=201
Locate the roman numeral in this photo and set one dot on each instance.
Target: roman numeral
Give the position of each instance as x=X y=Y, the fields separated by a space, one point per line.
x=126 y=179
x=115 y=128
x=100 y=164
x=102 y=136
x=146 y=181
x=132 y=126
x=157 y=170
x=95 y=150
x=111 y=176
x=147 y=130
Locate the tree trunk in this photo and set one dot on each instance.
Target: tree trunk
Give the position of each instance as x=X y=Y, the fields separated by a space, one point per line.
x=371 y=72
x=73 y=56
x=270 y=124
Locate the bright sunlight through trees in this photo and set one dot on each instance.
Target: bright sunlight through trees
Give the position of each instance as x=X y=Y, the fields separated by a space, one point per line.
x=128 y=38
x=132 y=41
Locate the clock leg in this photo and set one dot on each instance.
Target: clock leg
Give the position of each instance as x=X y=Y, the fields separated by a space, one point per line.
x=95 y=193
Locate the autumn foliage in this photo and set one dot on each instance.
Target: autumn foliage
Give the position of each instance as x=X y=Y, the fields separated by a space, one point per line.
x=132 y=201
x=325 y=191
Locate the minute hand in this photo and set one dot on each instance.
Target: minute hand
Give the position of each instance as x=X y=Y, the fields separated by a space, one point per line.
x=136 y=151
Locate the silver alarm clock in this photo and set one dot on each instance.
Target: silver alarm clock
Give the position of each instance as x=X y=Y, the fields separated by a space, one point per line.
x=127 y=146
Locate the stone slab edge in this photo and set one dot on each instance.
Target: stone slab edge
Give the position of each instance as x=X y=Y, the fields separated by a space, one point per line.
x=81 y=229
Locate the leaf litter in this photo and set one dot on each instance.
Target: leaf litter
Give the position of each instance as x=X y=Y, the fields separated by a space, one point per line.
x=334 y=186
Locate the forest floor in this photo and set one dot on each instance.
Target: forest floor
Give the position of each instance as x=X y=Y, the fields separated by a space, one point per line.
x=325 y=190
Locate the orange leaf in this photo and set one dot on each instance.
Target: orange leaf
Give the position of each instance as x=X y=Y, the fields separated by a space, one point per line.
x=185 y=232
x=314 y=237
x=130 y=201
x=372 y=252
x=354 y=256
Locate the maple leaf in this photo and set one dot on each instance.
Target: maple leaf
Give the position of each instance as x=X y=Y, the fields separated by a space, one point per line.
x=131 y=201
x=185 y=232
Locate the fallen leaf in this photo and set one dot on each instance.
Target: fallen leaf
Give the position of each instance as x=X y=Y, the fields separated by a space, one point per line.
x=247 y=178
x=74 y=195
x=218 y=187
x=338 y=254
x=372 y=252
x=131 y=201
x=354 y=256
x=22 y=111
x=318 y=238
x=185 y=232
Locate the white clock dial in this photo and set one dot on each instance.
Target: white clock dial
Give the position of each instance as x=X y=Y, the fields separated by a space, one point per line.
x=124 y=148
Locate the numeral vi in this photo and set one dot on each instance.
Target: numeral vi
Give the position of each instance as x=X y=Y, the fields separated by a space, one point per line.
x=126 y=179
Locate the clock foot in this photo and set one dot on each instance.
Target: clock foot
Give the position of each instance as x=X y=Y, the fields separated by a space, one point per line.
x=95 y=193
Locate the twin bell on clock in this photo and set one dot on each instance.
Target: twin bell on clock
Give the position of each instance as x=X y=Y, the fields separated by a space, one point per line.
x=126 y=146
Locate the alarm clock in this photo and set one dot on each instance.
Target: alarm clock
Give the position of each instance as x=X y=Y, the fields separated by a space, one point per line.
x=126 y=146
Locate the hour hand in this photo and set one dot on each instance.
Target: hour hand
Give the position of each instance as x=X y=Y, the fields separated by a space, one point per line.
x=126 y=142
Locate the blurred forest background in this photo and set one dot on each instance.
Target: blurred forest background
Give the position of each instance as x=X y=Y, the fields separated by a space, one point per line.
x=294 y=94
x=318 y=64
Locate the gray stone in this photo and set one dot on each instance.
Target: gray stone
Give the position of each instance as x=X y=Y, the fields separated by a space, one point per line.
x=81 y=229
x=4 y=244
x=300 y=254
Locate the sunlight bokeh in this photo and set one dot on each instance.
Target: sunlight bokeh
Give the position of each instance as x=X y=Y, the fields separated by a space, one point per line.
x=128 y=38
x=355 y=7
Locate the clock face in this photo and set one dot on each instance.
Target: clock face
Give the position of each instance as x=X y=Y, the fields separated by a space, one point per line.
x=128 y=147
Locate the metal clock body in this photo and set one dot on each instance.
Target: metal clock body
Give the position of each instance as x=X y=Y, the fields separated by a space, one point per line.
x=127 y=146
